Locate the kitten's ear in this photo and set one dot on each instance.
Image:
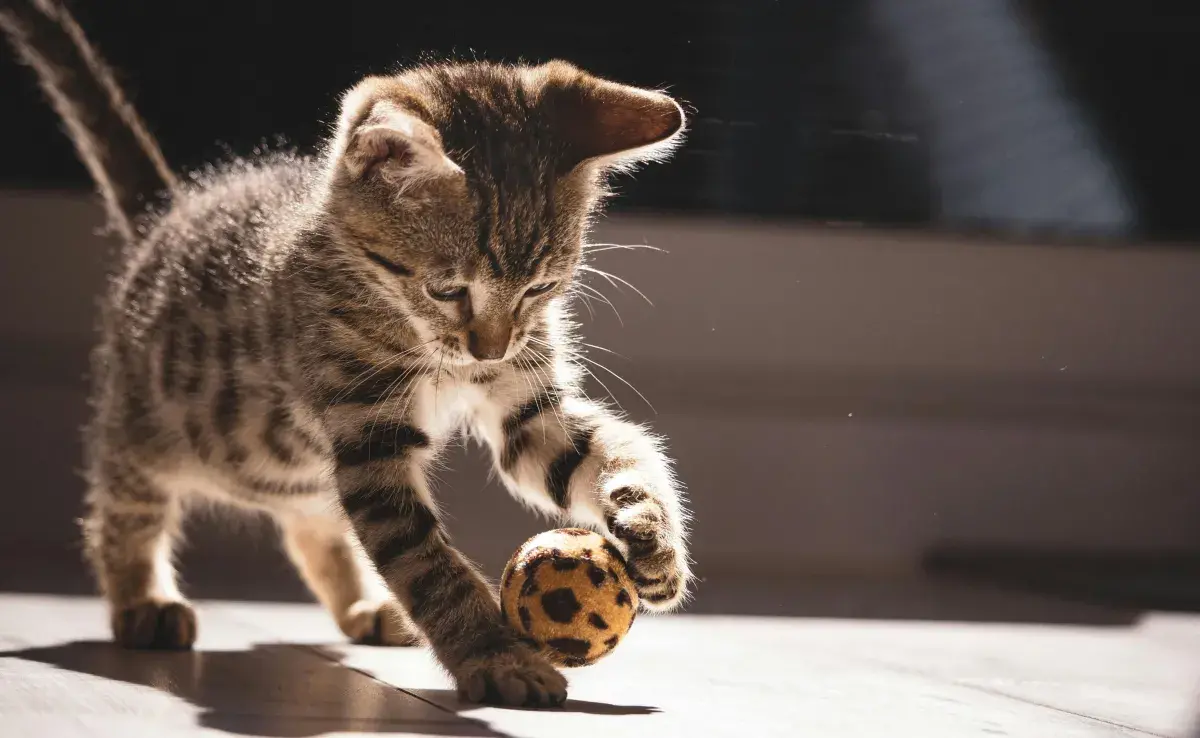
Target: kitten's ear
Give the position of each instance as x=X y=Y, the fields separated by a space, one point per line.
x=614 y=124
x=381 y=132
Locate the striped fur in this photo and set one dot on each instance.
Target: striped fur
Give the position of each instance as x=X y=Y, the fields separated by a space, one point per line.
x=305 y=335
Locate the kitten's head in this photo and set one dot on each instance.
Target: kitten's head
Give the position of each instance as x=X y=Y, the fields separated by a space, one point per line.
x=461 y=194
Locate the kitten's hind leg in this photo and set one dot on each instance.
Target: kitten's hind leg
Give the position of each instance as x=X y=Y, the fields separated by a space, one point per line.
x=129 y=531
x=323 y=550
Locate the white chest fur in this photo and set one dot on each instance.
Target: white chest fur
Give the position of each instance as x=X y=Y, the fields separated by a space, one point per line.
x=446 y=405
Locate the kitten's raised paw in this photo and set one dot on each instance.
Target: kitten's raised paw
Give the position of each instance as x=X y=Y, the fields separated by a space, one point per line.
x=659 y=570
x=517 y=677
x=379 y=624
x=660 y=580
x=162 y=626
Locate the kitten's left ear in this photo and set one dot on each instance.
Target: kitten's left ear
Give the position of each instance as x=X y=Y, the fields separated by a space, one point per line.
x=612 y=124
x=382 y=129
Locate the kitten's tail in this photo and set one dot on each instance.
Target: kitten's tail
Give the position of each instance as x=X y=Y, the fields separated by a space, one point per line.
x=122 y=156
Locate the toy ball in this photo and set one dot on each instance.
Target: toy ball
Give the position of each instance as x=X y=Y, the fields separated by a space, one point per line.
x=568 y=591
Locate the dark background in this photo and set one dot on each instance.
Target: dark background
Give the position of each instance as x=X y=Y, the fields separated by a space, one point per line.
x=1074 y=117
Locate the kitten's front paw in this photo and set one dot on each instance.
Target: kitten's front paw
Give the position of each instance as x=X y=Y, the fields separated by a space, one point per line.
x=657 y=565
x=155 y=625
x=515 y=677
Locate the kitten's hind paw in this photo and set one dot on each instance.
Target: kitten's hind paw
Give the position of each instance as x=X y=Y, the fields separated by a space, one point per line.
x=379 y=624
x=155 y=625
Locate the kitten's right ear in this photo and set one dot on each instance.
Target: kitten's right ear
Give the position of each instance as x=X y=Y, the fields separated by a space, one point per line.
x=606 y=122
x=379 y=133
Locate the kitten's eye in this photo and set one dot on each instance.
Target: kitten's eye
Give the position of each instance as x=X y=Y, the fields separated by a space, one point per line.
x=539 y=289
x=447 y=294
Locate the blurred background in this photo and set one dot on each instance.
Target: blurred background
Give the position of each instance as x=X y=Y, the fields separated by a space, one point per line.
x=928 y=304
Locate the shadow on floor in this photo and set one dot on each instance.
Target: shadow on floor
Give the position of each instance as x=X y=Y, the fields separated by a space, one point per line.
x=281 y=690
x=583 y=707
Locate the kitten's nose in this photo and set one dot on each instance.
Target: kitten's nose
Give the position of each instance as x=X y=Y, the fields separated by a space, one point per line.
x=488 y=343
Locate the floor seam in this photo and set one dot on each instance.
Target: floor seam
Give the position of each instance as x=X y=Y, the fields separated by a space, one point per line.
x=1065 y=711
x=1024 y=700
x=326 y=657
x=319 y=653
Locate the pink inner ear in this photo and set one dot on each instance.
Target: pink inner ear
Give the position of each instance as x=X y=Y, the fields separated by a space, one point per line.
x=604 y=119
x=378 y=147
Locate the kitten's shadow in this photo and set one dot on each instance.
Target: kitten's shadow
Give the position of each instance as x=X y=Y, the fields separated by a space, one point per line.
x=450 y=699
x=278 y=690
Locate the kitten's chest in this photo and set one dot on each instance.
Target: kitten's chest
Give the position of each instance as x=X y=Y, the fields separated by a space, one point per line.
x=449 y=405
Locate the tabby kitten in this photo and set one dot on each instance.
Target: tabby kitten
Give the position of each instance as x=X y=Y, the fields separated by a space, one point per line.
x=304 y=336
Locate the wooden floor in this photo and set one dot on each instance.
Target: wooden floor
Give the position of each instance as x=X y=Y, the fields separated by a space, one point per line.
x=267 y=669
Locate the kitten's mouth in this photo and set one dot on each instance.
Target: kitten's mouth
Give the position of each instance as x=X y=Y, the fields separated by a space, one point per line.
x=448 y=355
x=450 y=352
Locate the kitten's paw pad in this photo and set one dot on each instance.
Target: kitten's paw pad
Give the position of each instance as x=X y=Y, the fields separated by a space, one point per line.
x=163 y=626
x=379 y=624
x=517 y=677
x=658 y=569
x=641 y=526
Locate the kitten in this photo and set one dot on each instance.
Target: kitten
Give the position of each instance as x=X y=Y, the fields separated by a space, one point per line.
x=304 y=336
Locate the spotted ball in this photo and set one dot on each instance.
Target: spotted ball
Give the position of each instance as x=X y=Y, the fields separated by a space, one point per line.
x=568 y=591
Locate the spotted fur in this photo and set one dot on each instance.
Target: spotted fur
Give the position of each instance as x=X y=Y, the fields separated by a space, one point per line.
x=304 y=336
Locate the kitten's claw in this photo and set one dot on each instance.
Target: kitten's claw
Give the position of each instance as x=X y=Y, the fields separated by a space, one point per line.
x=517 y=677
x=163 y=626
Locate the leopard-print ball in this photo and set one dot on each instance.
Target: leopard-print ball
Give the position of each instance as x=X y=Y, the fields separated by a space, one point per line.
x=568 y=591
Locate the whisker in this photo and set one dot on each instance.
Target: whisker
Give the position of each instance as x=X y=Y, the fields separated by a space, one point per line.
x=600 y=381
x=595 y=248
x=576 y=355
x=362 y=377
x=437 y=383
x=587 y=301
x=611 y=277
x=547 y=383
x=524 y=364
x=397 y=383
x=605 y=350
x=533 y=392
x=625 y=381
x=603 y=298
